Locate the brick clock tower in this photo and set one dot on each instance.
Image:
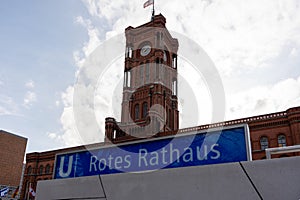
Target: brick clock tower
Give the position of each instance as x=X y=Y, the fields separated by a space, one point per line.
x=149 y=104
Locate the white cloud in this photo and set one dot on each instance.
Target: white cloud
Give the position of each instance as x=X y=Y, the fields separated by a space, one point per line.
x=8 y=106
x=89 y=46
x=239 y=36
x=5 y=111
x=29 y=99
x=264 y=99
x=57 y=103
x=52 y=135
x=29 y=84
x=294 y=52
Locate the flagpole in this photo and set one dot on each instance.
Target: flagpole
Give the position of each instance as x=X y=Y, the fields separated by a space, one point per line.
x=153 y=11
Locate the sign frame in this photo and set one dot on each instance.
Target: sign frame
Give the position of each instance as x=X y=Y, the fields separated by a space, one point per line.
x=178 y=135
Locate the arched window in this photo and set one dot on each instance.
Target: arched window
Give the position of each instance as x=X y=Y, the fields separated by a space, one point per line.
x=127 y=79
x=161 y=71
x=157 y=69
x=264 y=143
x=29 y=170
x=136 y=111
x=281 y=140
x=141 y=75
x=147 y=72
x=114 y=134
x=128 y=53
x=41 y=169
x=47 y=170
x=174 y=61
x=157 y=39
x=174 y=87
x=161 y=39
x=145 y=109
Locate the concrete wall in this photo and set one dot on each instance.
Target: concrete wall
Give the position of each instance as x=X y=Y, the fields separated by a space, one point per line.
x=265 y=179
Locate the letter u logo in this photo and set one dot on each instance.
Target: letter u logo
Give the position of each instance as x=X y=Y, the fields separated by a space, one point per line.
x=61 y=167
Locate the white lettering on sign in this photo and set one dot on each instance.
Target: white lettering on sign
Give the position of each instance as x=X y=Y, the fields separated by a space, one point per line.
x=165 y=156
x=111 y=162
x=142 y=157
x=170 y=155
x=218 y=154
x=61 y=167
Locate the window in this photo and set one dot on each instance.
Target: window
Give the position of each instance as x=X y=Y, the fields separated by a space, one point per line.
x=157 y=39
x=174 y=61
x=114 y=134
x=147 y=72
x=161 y=72
x=281 y=140
x=136 y=111
x=47 y=170
x=166 y=76
x=141 y=75
x=145 y=109
x=29 y=170
x=127 y=79
x=128 y=52
x=135 y=77
x=264 y=143
x=41 y=169
x=174 y=87
x=157 y=69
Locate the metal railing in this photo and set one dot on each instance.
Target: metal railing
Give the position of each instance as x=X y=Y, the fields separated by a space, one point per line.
x=280 y=150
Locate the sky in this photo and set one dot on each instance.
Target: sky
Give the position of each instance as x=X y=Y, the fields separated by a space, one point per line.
x=46 y=45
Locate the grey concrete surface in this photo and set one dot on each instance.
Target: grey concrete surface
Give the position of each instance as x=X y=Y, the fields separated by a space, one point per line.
x=276 y=179
x=209 y=182
x=267 y=179
x=77 y=188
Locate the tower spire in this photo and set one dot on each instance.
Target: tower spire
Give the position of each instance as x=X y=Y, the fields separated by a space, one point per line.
x=148 y=3
x=153 y=11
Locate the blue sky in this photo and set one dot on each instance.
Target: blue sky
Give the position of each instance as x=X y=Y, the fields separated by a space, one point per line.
x=254 y=45
x=38 y=39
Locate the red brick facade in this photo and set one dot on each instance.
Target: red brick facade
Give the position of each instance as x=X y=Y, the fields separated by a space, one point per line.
x=150 y=78
x=274 y=127
x=12 y=151
x=285 y=123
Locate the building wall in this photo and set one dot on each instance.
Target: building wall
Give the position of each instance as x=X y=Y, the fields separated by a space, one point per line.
x=12 y=150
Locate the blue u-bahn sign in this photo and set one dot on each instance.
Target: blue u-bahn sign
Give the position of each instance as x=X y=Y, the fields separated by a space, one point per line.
x=214 y=146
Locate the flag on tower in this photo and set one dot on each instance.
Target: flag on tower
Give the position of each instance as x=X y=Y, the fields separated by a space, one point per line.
x=148 y=3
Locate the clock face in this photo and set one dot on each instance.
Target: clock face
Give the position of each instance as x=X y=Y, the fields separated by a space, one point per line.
x=145 y=50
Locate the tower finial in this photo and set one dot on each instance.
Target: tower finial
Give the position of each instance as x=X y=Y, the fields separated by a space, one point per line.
x=148 y=3
x=153 y=12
